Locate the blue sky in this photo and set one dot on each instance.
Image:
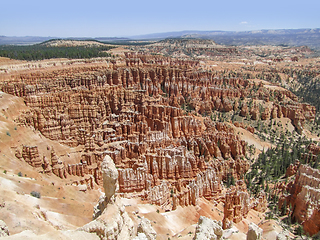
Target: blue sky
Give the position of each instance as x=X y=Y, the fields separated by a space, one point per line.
x=97 y=18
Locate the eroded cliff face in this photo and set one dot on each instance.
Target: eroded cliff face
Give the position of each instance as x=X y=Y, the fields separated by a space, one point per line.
x=304 y=198
x=159 y=150
x=149 y=115
x=237 y=205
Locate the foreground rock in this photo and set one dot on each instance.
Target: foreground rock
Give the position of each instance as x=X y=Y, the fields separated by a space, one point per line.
x=112 y=221
x=283 y=236
x=145 y=228
x=141 y=236
x=57 y=235
x=254 y=232
x=208 y=229
x=4 y=231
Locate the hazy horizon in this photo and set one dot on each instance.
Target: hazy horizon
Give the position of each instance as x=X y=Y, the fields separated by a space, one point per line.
x=127 y=18
x=154 y=33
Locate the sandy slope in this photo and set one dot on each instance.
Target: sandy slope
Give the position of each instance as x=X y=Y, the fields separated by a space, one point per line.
x=61 y=206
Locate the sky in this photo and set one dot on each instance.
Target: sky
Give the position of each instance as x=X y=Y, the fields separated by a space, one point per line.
x=121 y=18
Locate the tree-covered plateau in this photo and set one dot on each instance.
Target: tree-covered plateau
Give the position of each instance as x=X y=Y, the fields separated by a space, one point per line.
x=40 y=52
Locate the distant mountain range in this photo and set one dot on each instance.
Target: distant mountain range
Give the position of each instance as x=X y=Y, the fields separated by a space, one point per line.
x=290 y=37
x=27 y=40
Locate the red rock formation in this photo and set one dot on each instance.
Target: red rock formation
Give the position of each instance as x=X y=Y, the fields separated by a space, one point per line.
x=18 y=154
x=266 y=114
x=292 y=169
x=312 y=153
x=255 y=114
x=237 y=204
x=242 y=125
x=314 y=149
x=260 y=204
x=304 y=198
x=244 y=110
x=31 y=155
x=46 y=166
x=144 y=115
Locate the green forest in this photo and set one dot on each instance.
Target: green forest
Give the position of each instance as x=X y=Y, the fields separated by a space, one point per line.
x=40 y=52
x=273 y=163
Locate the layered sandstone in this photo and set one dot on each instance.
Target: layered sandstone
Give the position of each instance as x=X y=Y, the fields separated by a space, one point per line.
x=149 y=115
x=292 y=169
x=304 y=198
x=237 y=205
x=155 y=118
x=312 y=153
x=260 y=203
x=31 y=155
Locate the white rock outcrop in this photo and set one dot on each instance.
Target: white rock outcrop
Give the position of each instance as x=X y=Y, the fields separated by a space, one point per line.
x=111 y=222
x=110 y=185
x=4 y=231
x=208 y=229
x=283 y=236
x=254 y=232
x=146 y=228
x=110 y=177
x=55 y=235
x=141 y=236
x=101 y=205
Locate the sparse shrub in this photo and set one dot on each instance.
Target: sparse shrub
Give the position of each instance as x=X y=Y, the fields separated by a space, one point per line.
x=269 y=215
x=299 y=230
x=8 y=134
x=15 y=128
x=5 y=171
x=158 y=211
x=35 y=194
x=20 y=174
